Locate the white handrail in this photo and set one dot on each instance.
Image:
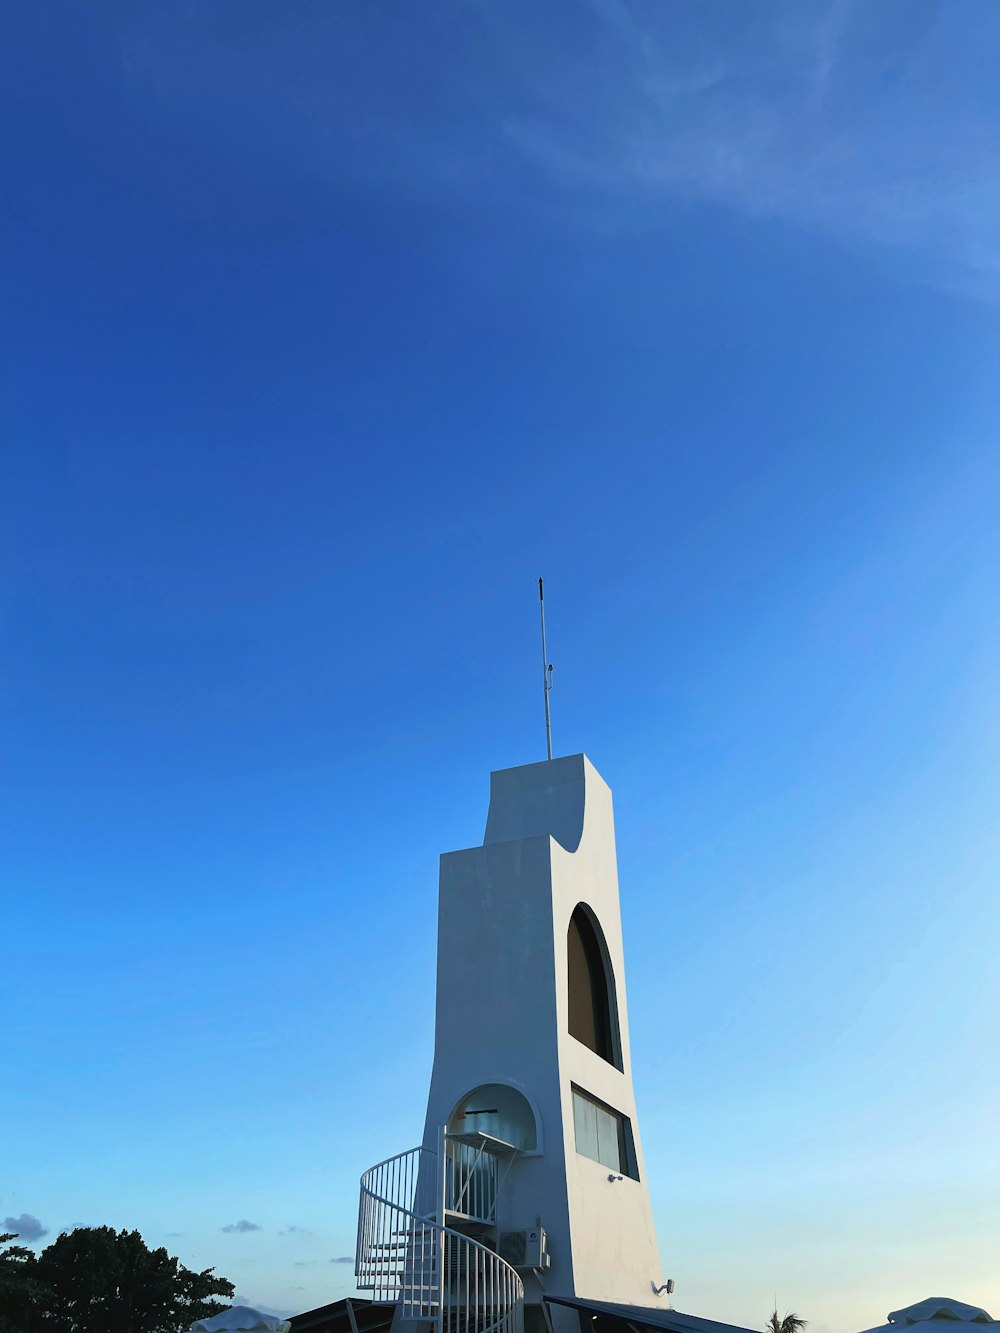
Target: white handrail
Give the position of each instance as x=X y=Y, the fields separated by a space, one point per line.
x=406 y=1256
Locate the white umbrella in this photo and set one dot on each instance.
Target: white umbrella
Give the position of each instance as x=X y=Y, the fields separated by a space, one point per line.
x=241 y=1319
x=940 y=1307
x=937 y=1314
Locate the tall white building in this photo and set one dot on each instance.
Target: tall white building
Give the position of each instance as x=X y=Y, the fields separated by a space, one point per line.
x=531 y=1036
x=530 y=1181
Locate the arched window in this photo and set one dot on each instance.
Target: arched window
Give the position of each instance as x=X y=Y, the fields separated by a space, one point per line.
x=593 y=1013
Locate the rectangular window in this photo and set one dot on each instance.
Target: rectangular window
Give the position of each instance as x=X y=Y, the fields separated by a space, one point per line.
x=602 y=1134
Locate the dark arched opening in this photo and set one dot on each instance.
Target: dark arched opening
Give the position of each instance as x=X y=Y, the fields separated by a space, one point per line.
x=500 y=1111
x=593 y=1016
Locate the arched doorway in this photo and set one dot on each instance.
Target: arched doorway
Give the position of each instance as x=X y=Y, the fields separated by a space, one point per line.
x=500 y=1111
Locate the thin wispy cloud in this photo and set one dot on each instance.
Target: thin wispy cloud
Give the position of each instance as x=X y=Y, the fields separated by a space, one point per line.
x=867 y=123
x=343 y=1259
x=843 y=118
x=240 y=1227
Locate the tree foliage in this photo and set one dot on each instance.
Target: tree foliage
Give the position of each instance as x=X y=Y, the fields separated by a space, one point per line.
x=98 y=1280
x=20 y=1294
x=789 y=1323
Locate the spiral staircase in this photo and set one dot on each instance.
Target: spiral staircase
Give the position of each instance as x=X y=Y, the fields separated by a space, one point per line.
x=427 y=1230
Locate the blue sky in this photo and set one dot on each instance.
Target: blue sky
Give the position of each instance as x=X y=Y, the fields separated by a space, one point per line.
x=327 y=328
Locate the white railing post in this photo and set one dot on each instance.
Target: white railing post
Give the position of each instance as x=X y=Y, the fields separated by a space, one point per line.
x=406 y=1253
x=442 y=1242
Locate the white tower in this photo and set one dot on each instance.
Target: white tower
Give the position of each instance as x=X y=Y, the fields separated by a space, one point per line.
x=531 y=999
x=531 y=1142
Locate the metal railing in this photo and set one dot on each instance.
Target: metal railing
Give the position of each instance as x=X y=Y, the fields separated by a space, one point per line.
x=471 y=1180
x=407 y=1256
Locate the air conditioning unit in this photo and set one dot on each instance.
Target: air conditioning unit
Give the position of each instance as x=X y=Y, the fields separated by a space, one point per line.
x=524 y=1249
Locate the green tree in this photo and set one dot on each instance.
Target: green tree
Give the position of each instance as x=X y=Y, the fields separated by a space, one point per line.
x=789 y=1323
x=98 y=1280
x=20 y=1292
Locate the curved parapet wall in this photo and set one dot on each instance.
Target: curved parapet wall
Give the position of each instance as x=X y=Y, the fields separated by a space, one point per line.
x=556 y=797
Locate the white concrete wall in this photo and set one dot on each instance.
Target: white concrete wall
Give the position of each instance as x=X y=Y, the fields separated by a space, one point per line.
x=502 y=1017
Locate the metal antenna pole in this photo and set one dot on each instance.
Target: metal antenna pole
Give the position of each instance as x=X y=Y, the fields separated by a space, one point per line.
x=546 y=672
